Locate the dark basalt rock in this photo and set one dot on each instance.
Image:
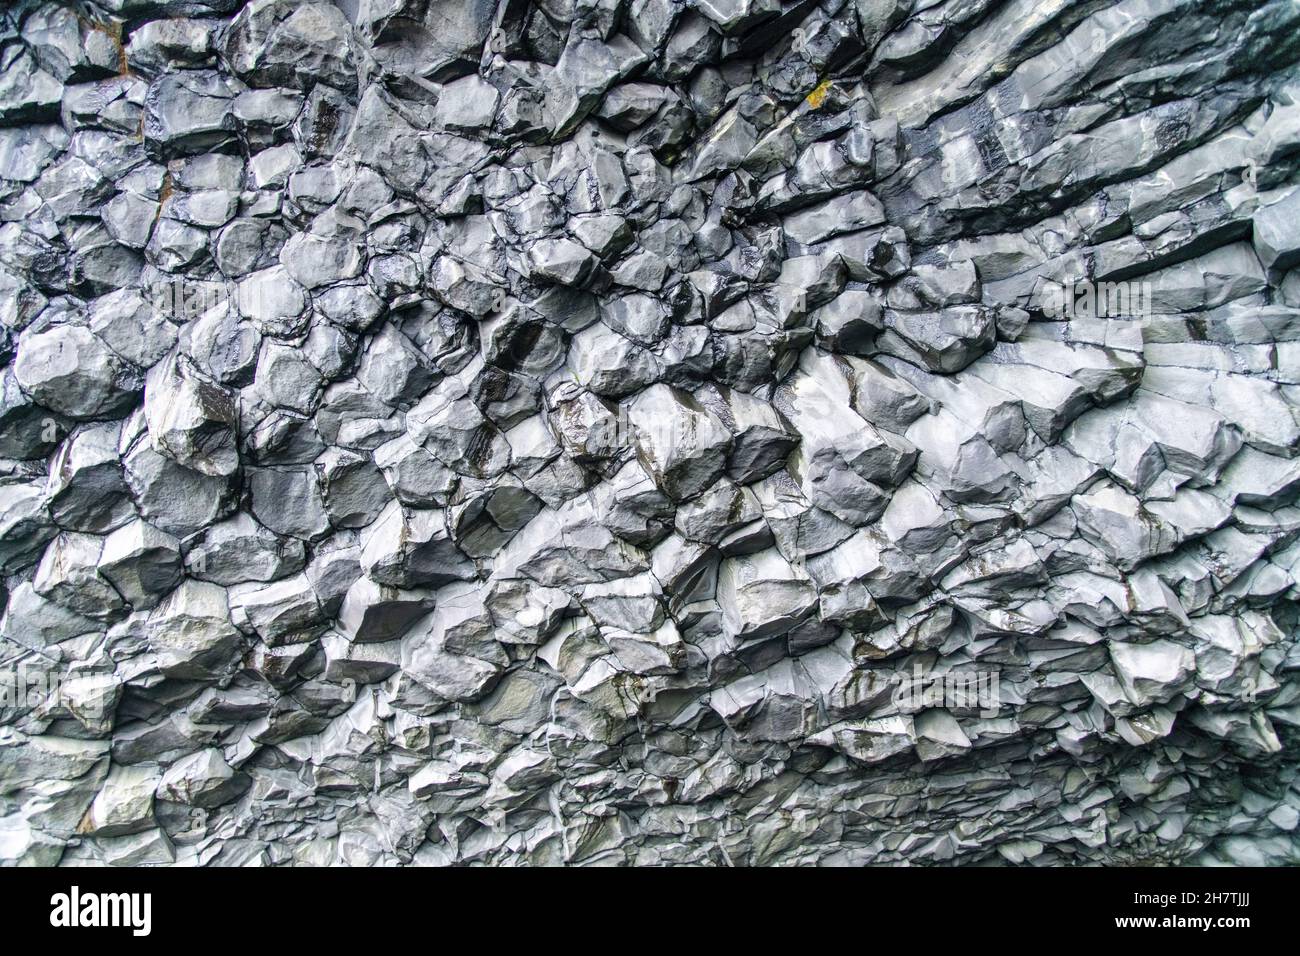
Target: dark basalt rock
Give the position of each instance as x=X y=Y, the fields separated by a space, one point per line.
x=649 y=432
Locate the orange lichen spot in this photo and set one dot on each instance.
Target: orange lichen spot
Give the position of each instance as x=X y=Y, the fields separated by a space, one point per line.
x=818 y=96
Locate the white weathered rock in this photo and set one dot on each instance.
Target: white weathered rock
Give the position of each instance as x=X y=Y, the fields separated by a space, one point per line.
x=762 y=595
x=681 y=444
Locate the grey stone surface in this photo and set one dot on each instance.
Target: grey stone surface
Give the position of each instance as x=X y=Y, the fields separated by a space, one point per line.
x=649 y=432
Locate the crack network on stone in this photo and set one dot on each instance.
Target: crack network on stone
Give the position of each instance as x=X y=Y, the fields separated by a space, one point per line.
x=649 y=432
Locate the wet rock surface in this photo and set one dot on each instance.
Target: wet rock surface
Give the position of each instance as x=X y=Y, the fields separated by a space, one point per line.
x=647 y=432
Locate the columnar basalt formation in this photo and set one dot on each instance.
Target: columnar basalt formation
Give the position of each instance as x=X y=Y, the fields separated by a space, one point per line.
x=649 y=431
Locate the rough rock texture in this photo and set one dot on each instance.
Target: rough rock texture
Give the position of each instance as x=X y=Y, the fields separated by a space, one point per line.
x=633 y=431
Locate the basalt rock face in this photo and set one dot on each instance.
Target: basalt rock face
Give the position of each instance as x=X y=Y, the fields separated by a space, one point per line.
x=649 y=432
